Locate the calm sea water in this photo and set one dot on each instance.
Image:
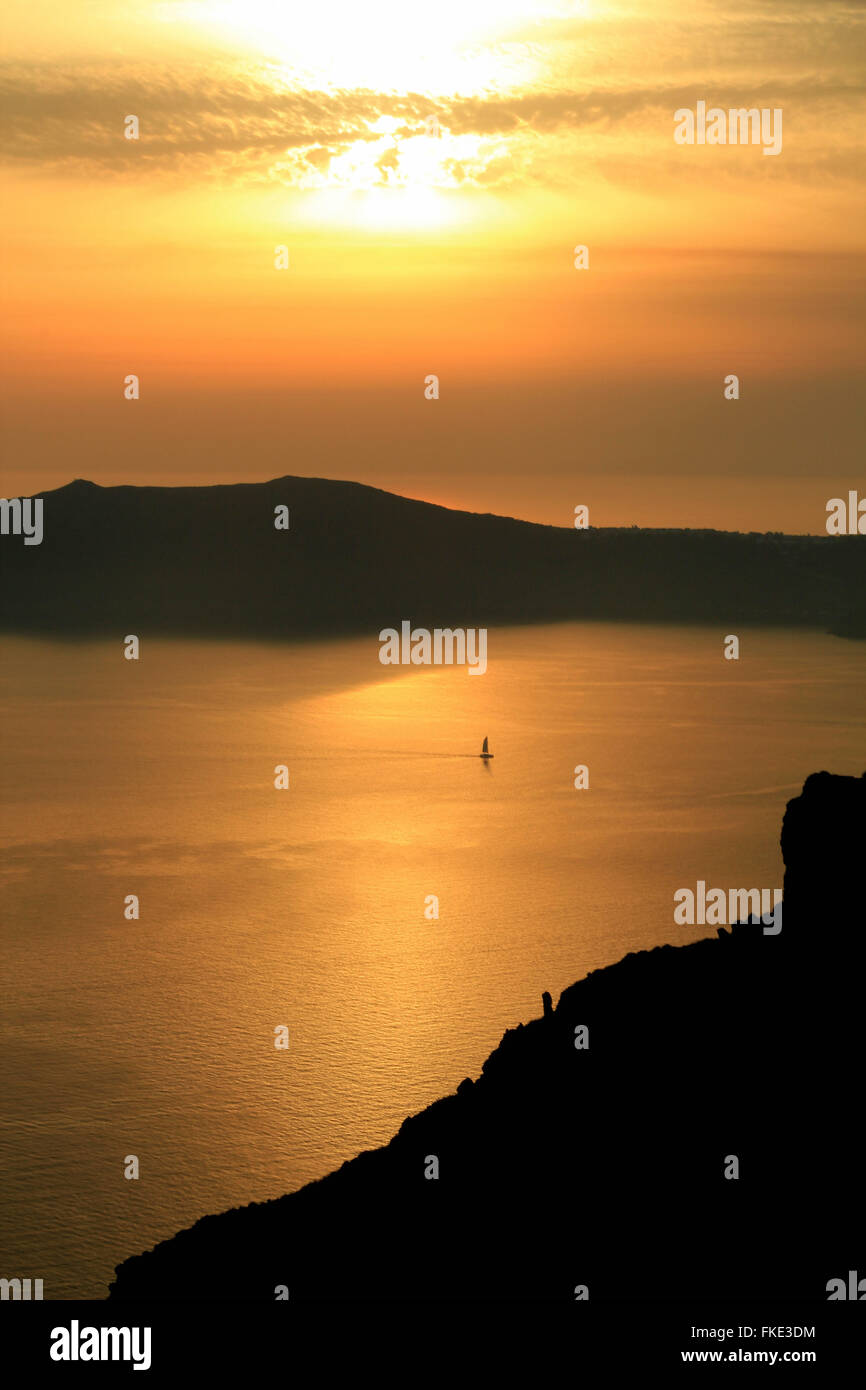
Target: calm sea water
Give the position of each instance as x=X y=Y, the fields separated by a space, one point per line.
x=306 y=907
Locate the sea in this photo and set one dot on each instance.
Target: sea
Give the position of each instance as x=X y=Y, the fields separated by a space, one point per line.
x=262 y=901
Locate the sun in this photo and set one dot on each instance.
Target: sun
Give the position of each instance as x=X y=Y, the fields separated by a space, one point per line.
x=387 y=45
x=391 y=179
x=389 y=172
x=404 y=209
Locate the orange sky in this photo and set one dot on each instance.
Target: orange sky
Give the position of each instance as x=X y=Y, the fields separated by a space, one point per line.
x=263 y=124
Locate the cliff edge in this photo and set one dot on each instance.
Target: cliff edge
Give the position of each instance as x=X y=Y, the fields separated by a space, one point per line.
x=604 y=1167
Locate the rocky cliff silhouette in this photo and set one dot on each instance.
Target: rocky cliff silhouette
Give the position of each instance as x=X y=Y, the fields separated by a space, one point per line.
x=604 y=1167
x=208 y=561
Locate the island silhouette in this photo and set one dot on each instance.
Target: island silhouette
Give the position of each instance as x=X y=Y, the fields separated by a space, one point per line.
x=603 y=1171
x=210 y=561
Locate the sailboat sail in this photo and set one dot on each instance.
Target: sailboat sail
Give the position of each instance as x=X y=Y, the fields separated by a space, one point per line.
x=484 y=747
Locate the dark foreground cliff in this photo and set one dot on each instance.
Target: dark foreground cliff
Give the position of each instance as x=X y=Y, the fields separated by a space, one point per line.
x=604 y=1168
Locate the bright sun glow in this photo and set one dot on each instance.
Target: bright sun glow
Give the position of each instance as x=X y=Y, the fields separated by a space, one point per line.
x=383 y=209
x=390 y=182
x=394 y=177
x=389 y=45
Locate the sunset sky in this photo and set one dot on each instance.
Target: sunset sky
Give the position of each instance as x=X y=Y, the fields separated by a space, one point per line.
x=265 y=123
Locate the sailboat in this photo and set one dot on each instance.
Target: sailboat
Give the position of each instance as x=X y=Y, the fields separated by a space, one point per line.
x=484 y=753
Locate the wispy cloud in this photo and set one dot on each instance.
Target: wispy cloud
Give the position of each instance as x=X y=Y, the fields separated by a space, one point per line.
x=238 y=124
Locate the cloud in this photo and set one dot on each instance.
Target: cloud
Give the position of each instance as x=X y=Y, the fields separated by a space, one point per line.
x=235 y=124
x=390 y=160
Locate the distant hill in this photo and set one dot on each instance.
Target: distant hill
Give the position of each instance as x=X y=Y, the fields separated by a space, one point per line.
x=208 y=560
x=605 y=1167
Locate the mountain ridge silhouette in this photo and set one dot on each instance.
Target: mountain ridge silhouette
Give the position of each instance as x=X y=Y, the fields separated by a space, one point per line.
x=208 y=561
